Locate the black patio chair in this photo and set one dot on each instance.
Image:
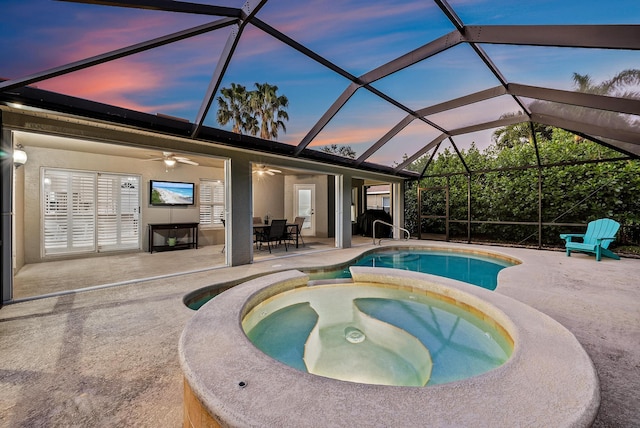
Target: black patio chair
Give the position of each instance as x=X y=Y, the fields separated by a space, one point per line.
x=275 y=233
x=292 y=231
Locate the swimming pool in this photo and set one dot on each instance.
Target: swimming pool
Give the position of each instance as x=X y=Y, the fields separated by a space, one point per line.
x=472 y=268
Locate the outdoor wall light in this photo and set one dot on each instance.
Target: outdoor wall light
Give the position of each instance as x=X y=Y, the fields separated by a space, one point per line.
x=19 y=156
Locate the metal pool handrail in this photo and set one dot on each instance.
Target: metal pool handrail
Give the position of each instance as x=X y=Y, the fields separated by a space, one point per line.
x=388 y=224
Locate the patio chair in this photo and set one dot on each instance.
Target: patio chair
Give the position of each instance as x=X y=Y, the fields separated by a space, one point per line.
x=600 y=233
x=275 y=233
x=291 y=231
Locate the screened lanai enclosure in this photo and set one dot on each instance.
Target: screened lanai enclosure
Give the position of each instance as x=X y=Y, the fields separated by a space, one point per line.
x=478 y=105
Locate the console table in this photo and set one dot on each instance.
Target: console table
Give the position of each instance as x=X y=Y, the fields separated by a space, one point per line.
x=179 y=244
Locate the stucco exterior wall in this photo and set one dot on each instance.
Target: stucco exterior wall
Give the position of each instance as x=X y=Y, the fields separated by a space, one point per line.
x=40 y=158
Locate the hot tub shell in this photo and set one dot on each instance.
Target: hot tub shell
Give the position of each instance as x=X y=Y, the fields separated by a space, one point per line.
x=548 y=381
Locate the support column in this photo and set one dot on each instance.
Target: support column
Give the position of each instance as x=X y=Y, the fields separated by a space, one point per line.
x=397 y=193
x=240 y=240
x=343 y=211
x=6 y=197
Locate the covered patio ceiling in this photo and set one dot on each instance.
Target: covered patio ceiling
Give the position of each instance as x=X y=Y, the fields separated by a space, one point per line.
x=389 y=81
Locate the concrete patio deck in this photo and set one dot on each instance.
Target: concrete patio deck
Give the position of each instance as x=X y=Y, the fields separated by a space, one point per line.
x=109 y=357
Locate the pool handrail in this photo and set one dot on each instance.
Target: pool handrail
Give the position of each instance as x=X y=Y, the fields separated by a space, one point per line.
x=388 y=224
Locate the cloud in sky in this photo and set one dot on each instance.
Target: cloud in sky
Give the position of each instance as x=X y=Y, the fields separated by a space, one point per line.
x=357 y=35
x=109 y=83
x=133 y=81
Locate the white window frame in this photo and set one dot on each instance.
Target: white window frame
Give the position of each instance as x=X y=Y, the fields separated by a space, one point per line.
x=74 y=228
x=212 y=203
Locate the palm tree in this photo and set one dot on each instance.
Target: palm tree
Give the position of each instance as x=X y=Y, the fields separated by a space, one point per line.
x=611 y=87
x=518 y=133
x=233 y=106
x=270 y=108
x=618 y=85
x=621 y=85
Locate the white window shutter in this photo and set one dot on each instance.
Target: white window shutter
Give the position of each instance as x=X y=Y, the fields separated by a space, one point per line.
x=118 y=205
x=88 y=212
x=211 y=203
x=69 y=211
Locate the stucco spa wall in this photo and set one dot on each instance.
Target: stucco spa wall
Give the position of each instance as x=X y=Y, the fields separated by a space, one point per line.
x=54 y=158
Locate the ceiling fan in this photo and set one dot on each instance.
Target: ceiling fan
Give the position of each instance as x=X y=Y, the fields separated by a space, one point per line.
x=170 y=159
x=262 y=169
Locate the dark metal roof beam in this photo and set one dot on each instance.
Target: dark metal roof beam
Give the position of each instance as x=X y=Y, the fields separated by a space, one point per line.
x=459 y=155
x=168 y=6
x=629 y=141
x=326 y=117
x=426 y=165
x=463 y=101
x=496 y=72
x=250 y=8
x=448 y=105
x=344 y=97
x=430 y=49
x=421 y=152
x=304 y=50
x=511 y=120
x=402 y=107
x=577 y=36
x=600 y=102
x=450 y=13
x=534 y=140
x=474 y=128
x=388 y=136
x=462 y=29
x=118 y=53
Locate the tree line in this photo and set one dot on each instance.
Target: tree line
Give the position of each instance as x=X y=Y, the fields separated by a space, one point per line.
x=580 y=180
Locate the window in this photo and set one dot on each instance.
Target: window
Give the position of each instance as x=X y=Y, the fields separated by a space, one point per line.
x=386 y=204
x=69 y=212
x=211 y=203
x=89 y=211
x=118 y=212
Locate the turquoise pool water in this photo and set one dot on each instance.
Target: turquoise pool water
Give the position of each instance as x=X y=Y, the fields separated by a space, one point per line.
x=462 y=266
x=473 y=269
x=373 y=334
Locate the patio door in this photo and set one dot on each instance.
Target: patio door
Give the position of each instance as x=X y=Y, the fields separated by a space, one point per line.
x=304 y=205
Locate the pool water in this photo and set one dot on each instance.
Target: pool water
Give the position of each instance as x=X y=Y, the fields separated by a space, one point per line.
x=374 y=334
x=473 y=269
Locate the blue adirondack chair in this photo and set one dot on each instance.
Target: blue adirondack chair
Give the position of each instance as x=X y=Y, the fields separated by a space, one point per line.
x=600 y=233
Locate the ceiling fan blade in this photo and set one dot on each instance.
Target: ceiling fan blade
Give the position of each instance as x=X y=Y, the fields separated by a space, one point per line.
x=187 y=161
x=269 y=172
x=275 y=170
x=153 y=159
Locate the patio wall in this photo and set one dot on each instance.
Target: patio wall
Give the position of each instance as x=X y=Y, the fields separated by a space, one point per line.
x=28 y=195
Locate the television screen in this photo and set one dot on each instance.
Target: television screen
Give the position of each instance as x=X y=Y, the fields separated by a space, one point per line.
x=171 y=193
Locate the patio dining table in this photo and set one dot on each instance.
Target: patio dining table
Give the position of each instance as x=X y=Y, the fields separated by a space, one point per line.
x=264 y=228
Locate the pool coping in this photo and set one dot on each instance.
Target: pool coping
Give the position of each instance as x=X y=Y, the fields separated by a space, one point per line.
x=548 y=381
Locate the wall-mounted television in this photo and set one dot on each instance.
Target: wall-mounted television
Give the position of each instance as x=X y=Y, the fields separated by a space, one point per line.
x=171 y=193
